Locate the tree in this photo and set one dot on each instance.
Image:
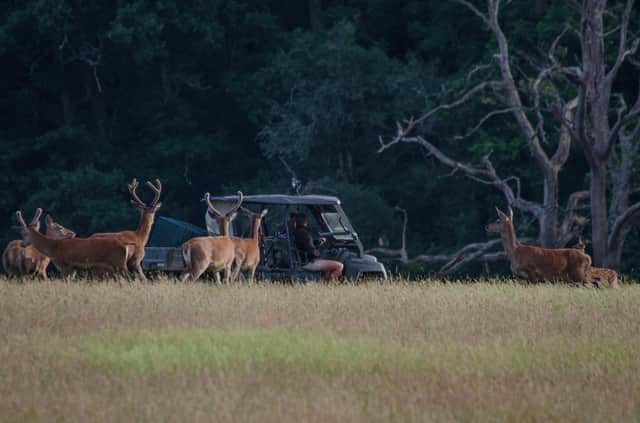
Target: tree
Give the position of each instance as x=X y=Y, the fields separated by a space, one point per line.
x=577 y=97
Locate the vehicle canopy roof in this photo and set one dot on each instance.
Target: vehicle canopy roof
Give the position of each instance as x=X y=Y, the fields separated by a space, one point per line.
x=307 y=200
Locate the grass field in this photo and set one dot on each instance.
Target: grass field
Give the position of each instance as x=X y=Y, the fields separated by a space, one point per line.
x=371 y=352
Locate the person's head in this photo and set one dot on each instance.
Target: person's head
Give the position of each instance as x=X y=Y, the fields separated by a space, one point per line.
x=302 y=221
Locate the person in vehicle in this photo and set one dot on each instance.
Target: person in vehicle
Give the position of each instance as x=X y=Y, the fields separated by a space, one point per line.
x=309 y=253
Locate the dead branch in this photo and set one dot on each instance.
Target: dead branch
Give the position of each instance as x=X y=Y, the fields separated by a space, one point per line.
x=572 y=224
x=630 y=217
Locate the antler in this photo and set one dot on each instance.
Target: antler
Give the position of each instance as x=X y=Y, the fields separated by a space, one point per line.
x=213 y=209
x=34 y=222
x=238 y=204
x=216 y=212
x=157 y=189
x=20 y=219
x=132 y=190
x=36 y=218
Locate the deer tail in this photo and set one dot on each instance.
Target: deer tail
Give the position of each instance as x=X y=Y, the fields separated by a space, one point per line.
x=186 y=254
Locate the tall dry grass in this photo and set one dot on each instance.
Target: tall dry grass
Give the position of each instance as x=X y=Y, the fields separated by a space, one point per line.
x=372 y=352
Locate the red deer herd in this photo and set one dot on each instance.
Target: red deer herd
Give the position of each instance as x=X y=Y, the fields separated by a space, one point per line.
x=113 y=253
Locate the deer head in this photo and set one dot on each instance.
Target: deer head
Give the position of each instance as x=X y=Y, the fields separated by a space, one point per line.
x=502 y=224
x=24 y=228
x=141 y=205
x=256 y=219
x=223 y=220
x=56 y=230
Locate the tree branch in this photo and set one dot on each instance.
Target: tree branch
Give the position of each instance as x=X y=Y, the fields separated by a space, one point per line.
x=623 y=51
x=572 y=224
x=620 y=226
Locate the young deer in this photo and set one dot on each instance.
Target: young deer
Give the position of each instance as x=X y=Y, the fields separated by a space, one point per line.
x=71 y=254
x=248 y=249
x=214 y=252
x=535 y=263
x=138 y=239
x=598 y=276
x=21 y=260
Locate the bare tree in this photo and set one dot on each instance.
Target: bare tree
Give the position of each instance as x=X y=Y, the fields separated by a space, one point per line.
x=540 y=94
x=609 y=138
x=577 y=98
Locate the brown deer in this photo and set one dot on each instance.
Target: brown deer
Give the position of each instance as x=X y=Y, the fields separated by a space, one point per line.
x=248 y=249
x=138 y=239
x=21 y=260
x=536 y=263
x=211 y=252
x=598 y=276
x=71 y=254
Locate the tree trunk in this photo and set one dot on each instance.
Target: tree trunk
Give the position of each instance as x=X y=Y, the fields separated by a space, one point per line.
x=599 y=224
x=549 y=219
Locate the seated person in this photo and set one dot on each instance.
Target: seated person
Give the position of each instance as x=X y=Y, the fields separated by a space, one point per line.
x=309 y=253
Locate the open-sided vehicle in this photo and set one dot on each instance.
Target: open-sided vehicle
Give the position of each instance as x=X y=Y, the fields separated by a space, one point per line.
x=280 y=257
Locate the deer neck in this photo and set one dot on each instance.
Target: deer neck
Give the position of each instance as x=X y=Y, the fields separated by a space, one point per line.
x=41 y=243
x=255 y=229
x=509 y=240
x=223 y=226
x=144 y=227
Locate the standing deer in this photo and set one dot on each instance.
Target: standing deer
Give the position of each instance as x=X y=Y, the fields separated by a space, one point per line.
x=138 y=239
x=21 y=260
x=71 y=254
x=215 y=252
x=536 y=263
x=599 y=276
x=248 y=249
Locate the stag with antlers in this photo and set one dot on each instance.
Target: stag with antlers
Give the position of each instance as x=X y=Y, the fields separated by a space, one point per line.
x=223 y=219
x=217 y=253
x=536 y=263
x=138 y=238
x=248 y=250
x=21 y=260
x=71 y=254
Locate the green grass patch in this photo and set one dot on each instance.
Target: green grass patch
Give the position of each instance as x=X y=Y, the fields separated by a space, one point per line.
x=171 y=350
x=162 y=351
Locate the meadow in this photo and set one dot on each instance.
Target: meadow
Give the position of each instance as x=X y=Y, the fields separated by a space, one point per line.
x=491 y=350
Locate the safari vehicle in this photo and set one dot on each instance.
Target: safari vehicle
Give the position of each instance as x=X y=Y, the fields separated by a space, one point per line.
x=280 y=257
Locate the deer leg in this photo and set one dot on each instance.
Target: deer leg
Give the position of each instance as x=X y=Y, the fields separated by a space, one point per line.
x=138 y=266
x=185 y=275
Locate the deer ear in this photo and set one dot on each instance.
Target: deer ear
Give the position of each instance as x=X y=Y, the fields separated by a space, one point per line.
x=500 y=214
x=264 y=212
x=510 y=213
x=48 y=220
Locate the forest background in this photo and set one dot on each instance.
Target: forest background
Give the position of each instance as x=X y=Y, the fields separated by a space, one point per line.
x=227 y=95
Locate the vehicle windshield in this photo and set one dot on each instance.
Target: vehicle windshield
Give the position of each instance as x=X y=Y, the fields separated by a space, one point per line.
x=334 y=223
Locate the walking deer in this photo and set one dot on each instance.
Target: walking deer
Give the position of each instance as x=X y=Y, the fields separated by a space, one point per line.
x=138 y=238
x=21 y=260
x=536 y=263
x=598 y=276
x=211 y=252
x=71 y=254
x=248 y=250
